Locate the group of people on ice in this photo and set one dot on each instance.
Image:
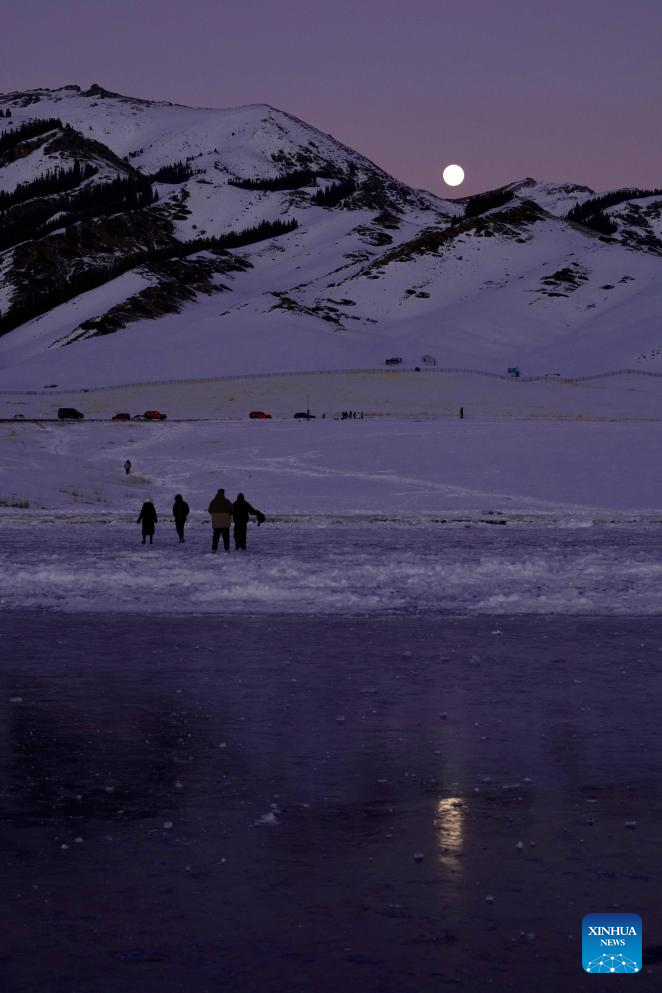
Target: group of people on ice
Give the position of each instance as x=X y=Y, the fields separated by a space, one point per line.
x=223 y=512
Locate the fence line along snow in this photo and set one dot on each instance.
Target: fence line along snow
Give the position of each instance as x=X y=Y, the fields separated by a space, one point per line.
x=439 y=370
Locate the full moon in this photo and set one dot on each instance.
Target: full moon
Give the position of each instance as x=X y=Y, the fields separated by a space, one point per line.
x=453 y=175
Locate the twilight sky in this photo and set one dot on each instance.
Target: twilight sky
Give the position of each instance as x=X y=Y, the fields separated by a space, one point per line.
x=563 y=91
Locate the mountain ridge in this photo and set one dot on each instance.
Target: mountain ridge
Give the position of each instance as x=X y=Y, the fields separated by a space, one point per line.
x=369 y=266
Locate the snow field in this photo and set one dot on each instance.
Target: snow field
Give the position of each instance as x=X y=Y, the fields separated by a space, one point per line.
x=550 y=470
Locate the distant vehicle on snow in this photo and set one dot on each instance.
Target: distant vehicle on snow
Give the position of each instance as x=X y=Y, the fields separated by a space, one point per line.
x=259 y=415
x=154 y=415
x=396 y=360
x=122 y=416
x=19 y=417
x=70 y=414
x=304 y=415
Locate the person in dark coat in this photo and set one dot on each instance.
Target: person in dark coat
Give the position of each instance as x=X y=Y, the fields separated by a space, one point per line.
x=221 y=514
x=148 y=519
x=180 y=511
x=127 y=466
x=241 y=511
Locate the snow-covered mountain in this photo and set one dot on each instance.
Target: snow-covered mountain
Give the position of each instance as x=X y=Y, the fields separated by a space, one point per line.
x=143 y=240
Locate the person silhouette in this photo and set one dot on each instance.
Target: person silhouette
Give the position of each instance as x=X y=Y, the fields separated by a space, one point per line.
x=180 y=511
x=220 y=509
x=241 y=511
x=148 y=519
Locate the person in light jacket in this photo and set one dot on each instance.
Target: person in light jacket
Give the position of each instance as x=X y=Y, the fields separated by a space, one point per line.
x=241 y=511
x=180 y=511
x=148 y=519
x=221 y=514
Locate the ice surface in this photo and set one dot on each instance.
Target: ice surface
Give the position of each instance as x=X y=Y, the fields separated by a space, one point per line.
x=335 y=568
x=379 y=854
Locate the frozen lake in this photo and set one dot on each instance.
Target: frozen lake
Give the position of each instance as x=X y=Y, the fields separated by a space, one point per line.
x=297 y=803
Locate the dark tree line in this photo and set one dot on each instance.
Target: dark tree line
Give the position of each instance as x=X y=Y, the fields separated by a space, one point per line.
x=28 y=221
x=588 y=207
x=600 y=222
x=176 y=172
x=333 y=194
x=31 y=129
x=124 y=193
x=237 y=239
x=483 y=202
x=53 y=181
x=80 y=282
x=119 y=194
x=591 y=214
x=290 y=181
x=71 y=286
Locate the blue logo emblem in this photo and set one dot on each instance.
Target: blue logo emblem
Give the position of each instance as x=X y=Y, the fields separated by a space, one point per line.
x=611 y=943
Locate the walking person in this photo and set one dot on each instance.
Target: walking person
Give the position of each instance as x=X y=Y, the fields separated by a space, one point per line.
x=221 y=514
x=127 y=466
x=180 y=511
x=241 y=511
x=148 y=519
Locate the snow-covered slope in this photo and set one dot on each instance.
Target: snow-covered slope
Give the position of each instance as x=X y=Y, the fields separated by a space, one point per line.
x=235 y=142
x=375 y=270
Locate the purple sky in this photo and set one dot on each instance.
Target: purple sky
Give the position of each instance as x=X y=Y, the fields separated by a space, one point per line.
x=566 y=90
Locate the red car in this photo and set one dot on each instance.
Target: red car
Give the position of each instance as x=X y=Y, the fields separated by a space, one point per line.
x=154 y=415
x=121 y=417
x=259 y=415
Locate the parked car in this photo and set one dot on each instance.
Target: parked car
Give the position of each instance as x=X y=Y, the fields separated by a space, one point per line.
x=304 y=415
x=123 y=416
x=154 y=415
x=259 y=415
x=19 y=417
x=138 y=417
x=70 y=414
